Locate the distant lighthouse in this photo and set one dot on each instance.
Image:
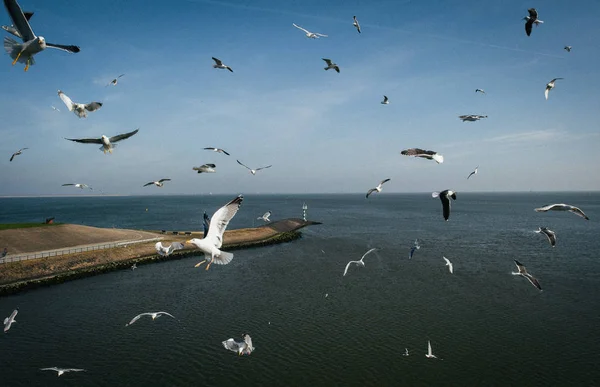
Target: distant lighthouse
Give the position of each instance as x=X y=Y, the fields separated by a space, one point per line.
x=304 y=208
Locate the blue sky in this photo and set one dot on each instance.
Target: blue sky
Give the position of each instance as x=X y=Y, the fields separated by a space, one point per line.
x=323 y=132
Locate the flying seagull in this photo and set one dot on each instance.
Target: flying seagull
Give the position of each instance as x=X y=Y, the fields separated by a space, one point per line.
x=32 y=44
x=219 y=65
x=11 y=29
x=253 y=171
x=218 y=150
x=480 y=91
x=78 y=185
x=405 y=352
x=17 y=153
x=523 y=272
x=471 y=117
x=62 y=370
x=158 y=183
x=331 y=65
x=551 y=235
x=445 y=198
x=79 y=108
x=429 y=353
x=214 y=240
x=10 y=320
x=426 y=154
x=385 y=101
x=530 y=20
x=312 y=35
x=473 y=173
x=154 y=316
x=134 y=266
x=265 y=217
x=568 y=48
x=165 y=251
x=205 y=223
x=55 y=108
x=205 y=168
x=449 y=264
x=355 y=24
x=563 y=207
x=114 y=81
x=241 y=347
x=414 y=248
x=550 y=86
x=107 y=142
x=359 y=262
x=378 y=188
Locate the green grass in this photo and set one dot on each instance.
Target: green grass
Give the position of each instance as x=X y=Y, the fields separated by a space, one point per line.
x=10 y=226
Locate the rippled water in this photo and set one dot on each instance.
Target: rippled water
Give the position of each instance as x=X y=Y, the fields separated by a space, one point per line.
x=487 y=326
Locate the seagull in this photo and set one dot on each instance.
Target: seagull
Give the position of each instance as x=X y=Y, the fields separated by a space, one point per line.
x=107 y=142
x=32 y=44
x=219 y=65
x=165 y=251
x=405 y=352
x=78 y=185
x=158 y=183
x=385 y=100
x=532 y=18
x=563 y=207
x=265 y=217
x=414 y=248
x=11 y=29
x=17 y=153
x=355 y=24
x=359 y=262
x=473 y=173
x=445 y=198
x=55 y=108
x=550 y=86
x=10 y=320
x=114 y=81
x=154 y=316
x=218 y=150
x=426 y=154
x=241 y=347
x=79 y=108
x=480 y=91
x=568 y=48
x=331 y=65
x=312 y=35
x=449 y=264
x=429 y=353
x=214 y=240
x=253 y=171
x=205 y=168
x=62 y=370
x=205 y=224
x=551 y=235
x=471 y=117
x=523 y=272
x=378 y=188
x=134 y=266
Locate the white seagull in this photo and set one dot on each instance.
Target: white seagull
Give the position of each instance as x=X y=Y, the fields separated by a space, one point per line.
x=331 y=65
x=78 y=185
x=480 y=91
x=568 y=48
x=378 y=188
x=473 y=173
x=62 y=370
x=523 y=273
x=415 y=247
x=10 y=320
x=426 y=154
x=241 y=347
x=158 y=183
x=405 y=352
x=551 y=235
x=253 y=171
x=108 y=143
x=165 y=251
x=471 y=117
x=219 y=65
x=449 y=264
x=214 y=239
x=12 y=30
x=79 y=108
x=429 y=353
x=114 y=81
x=134 y=266
x=265 y=217
x=154 y=316
x=55 y=108
x=218 y=150
x=355 y=24
x=17 y=153
x=563 y=207
x=205 y=168
x=32 y=44
x=445 y=198
x=550 y=86
x=359 y=262
x=385 y=101
x=530 y=20
x=312 y=35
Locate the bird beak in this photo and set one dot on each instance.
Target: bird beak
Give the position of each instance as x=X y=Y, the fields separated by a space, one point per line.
x=190 y=241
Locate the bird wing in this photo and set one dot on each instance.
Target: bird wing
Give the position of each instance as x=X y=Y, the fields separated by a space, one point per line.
x=210 y=165
x=149 y=184
x=384 y=181
x=268 y=166
x=446 y=206
x=70 y=48
x=300 y=28
x=417 y=152
x=367 y=253
x=120 y=137
x=528 y=26
x=370 y=192
x=161 y=180
x=206 y=224
x=64 y=185
x=220 y=220
x=92 y=106
x=328 y=61
x=137 y=318
x=447 y=261
x=209 y=148
x=385 y=98
x=165 y=313
x=347 y=266
x=555 y=79
x=120 y=75
x=248 y=341
x=19 y=20
x=533 y=280
x=471 y=174
x=231 y=345
x=86 y=140
x=13 y=156
x=74 y=370
x=551 y=235
x=577 y=211
x=49 y=369
x=429 y=351
x=217 y=61
x=67 y=101
x=240 y=163
x=318 y=34
x=545 y=208
x=546 y=92
x=222 y=150
x=533 y=13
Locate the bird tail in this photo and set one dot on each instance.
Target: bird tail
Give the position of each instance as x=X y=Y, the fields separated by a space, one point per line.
x=5 y=320
x=13 y=48
x=438 y=158
x=435 y=194
x=223 y=258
